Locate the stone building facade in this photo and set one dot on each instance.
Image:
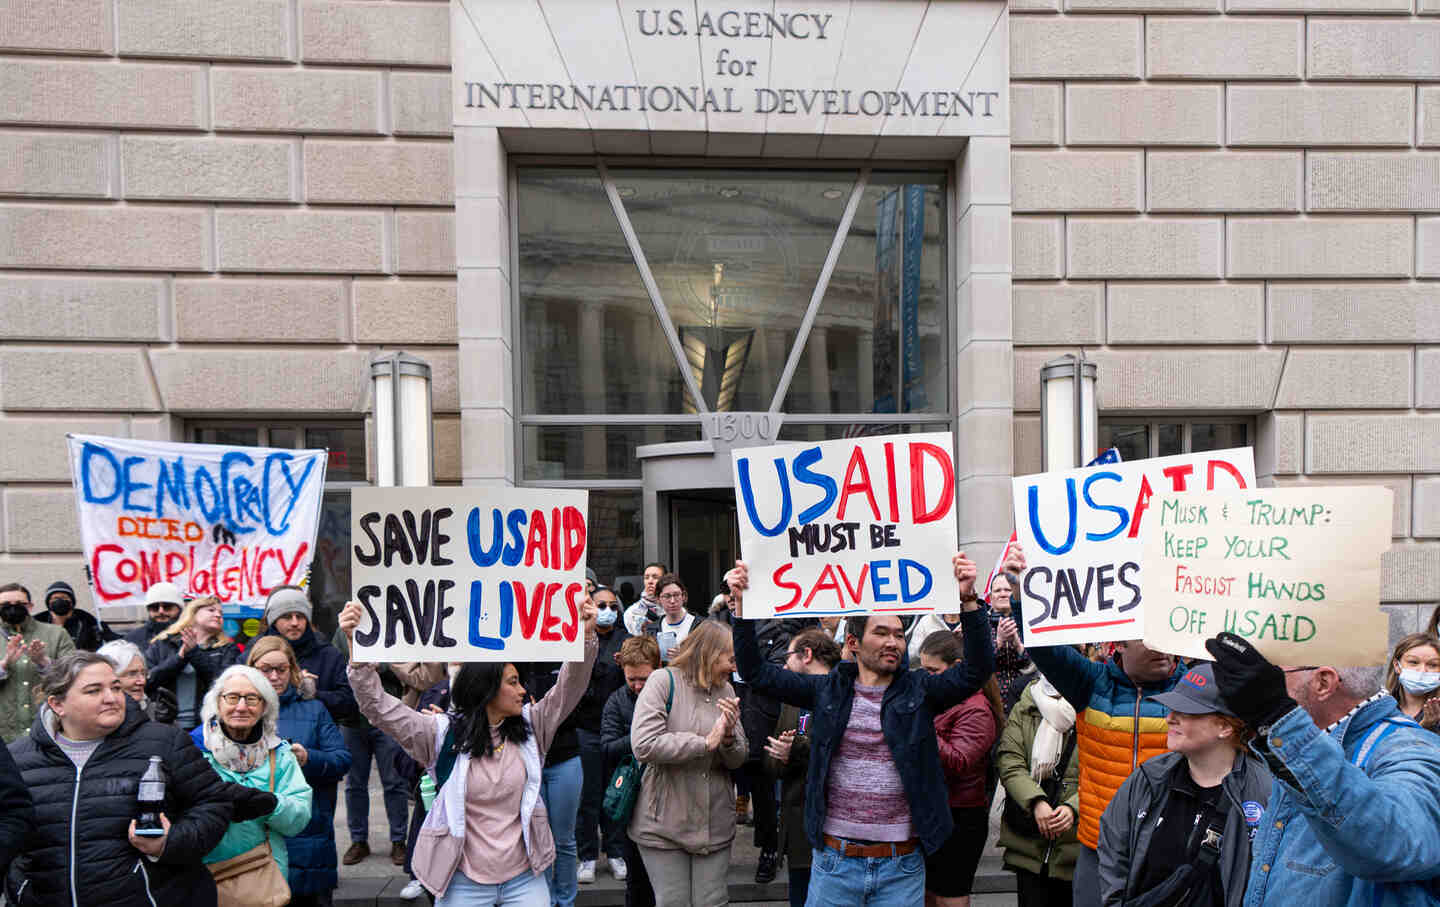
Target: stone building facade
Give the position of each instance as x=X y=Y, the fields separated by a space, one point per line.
x=212 y=214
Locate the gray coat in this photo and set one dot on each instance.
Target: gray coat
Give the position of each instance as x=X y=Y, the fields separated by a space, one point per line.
x=1128 y=824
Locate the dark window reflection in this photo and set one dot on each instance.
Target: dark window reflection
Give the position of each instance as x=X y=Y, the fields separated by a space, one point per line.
x=616 y=541
x=830 y=431
x=591 y=341
x=330 y=569
x=244 y=437
x=1132 y=440
x=1217 y=436
x=593 y=451
x=1172 y=440
x=347 y=452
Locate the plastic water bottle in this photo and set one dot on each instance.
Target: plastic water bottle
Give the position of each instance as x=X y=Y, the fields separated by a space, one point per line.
x=427 y=790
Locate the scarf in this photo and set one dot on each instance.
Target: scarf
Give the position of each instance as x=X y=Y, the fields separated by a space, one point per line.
x=241 y=758
x=1057 y=718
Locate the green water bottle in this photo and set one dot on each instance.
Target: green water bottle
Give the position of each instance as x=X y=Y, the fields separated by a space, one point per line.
x=427 y=790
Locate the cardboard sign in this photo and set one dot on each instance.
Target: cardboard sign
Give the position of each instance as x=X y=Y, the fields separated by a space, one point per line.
x=852 y=526
x=233 y=522
x=1296 y=571
x=468 y=574
x=1080 y=529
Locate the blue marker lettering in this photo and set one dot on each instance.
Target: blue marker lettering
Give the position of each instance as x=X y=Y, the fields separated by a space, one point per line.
x=748 y=494
x=480 y=556
x=477 y=614
x=1033 y=500
x=515 y=550
x=803 y=473
x=90 y=451
x=1120 y=512
x=130 y=485
x=876 y=581
x=171 y=481
x=906 y=595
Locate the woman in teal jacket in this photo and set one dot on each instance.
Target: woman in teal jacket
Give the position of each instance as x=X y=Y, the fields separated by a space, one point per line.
x=238 y=737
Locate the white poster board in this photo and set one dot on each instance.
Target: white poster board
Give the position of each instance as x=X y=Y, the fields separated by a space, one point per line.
x=851 y=526
x=1080 y=529
x=468 y=574
x=213 y=519
x=1296 y=571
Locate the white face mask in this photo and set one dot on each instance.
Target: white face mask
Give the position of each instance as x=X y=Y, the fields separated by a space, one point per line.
x=1418 y=683
x=606 y=617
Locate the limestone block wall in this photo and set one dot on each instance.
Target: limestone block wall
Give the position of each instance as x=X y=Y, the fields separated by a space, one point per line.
x=212 y=210
x=1229 y=204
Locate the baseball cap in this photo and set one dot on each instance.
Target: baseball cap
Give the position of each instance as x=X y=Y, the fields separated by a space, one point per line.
x=1195 y=694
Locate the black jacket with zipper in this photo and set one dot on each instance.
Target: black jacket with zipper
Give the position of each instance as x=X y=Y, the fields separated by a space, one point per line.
x=80 y=854
x=1128 y=825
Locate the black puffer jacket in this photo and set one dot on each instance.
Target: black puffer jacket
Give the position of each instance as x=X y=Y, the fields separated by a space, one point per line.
x=82 y=824
x=166 y=664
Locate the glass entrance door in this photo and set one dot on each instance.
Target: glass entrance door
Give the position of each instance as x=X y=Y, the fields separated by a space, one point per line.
x=704 y=541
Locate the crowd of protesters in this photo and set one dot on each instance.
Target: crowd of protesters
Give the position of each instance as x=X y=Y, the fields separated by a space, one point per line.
x=871 y=756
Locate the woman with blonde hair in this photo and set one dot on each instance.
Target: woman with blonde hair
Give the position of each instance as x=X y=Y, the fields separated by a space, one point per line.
x=686 y=731
x=1413 y=678
x=186 y=657
x=317 y=745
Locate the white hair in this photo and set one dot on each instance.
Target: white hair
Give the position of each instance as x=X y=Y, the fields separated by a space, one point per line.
x=120 y=653
x=1363 y=682
x=211 y=707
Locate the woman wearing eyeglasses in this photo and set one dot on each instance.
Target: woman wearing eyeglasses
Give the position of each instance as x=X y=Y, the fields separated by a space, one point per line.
x=675 y=622
x=238 y=736
x=133 y=674
x=320 y=749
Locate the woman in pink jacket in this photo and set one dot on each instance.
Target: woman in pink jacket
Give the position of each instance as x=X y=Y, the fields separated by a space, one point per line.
x=486 y=839
x=965 y=734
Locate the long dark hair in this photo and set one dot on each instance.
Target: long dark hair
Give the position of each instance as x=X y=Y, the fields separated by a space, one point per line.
x=473 y=688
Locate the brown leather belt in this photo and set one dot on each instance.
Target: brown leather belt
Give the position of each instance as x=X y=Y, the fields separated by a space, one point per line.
x=874 y=851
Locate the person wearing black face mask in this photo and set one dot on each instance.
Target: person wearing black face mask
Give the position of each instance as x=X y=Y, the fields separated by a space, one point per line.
x=86 y=630
x=26 y=648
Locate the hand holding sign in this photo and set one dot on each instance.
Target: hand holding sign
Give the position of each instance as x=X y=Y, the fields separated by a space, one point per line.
x=350 y=616
x=738 y=579
x=965 y=574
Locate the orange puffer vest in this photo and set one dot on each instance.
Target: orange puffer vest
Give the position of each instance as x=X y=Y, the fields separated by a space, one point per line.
x=1112 y=744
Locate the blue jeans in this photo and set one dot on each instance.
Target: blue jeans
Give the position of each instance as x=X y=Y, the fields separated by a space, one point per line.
x=866 y=881
x=366 y=744
x=525 y=890
x=561 y=792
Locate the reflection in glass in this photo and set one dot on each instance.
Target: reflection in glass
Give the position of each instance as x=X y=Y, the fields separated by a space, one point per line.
x=330 y=570
x=830 y=431
x=880 y=340
x=591 y=343
x=347 y=451
x=1172 y=440
x=1131 y=439
x=242 y=437
x=593 y=451
x=736 y=255
x=615 y=539
x=284 y=437
x=1217 y=435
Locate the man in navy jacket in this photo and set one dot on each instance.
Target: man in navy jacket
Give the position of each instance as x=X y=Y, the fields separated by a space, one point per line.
x=875 y=798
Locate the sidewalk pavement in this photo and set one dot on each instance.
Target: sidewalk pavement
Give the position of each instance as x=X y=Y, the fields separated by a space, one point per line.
x=376 y=882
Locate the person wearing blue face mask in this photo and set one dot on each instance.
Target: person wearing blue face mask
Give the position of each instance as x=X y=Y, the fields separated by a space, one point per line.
x=594 y=829
x=1413 y=678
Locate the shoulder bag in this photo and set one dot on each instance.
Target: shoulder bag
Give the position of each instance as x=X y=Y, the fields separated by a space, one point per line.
x=624 y=788
x=252 y=878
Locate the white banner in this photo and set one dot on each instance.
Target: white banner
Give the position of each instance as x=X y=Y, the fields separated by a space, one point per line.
x=468 y=574
x=1294 y=570
x=852 y=526
x=1080 y=529
x=233 y=522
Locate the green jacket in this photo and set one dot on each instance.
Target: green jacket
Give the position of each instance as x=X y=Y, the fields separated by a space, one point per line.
x=17 y=687
x=1012 y=761
x=291 y=815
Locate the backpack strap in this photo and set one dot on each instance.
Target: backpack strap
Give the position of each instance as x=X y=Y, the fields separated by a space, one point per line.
x=670 y=697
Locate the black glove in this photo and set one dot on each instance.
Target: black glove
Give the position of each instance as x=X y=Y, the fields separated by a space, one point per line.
x=250 y=803
x=1252 y=687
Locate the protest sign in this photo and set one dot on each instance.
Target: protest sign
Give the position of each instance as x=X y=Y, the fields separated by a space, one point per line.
x=1296 y=571
x=233 y=522
x=852 y=526
x=1080 y=529
x=468 y=574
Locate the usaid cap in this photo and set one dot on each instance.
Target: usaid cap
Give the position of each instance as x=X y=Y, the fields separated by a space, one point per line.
x=1195 y=694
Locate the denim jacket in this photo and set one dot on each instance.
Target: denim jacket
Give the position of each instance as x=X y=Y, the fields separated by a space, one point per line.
x=907 y=719
x=1354 y=815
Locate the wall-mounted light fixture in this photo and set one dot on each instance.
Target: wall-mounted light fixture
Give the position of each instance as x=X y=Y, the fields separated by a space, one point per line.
x=404 y=426
x=1068 y=417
